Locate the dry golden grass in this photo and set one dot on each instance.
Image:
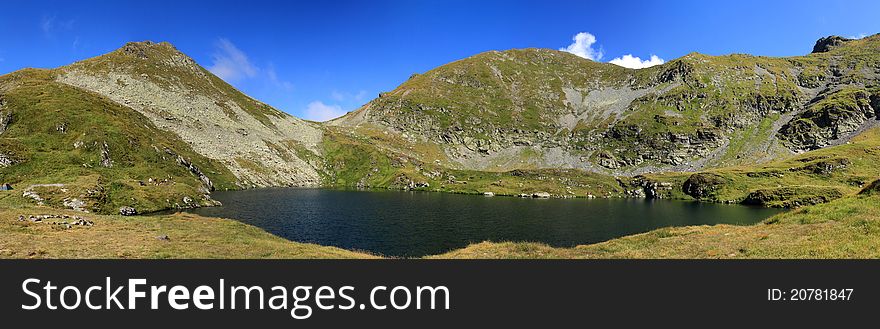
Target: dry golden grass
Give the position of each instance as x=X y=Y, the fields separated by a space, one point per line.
x=189 y=236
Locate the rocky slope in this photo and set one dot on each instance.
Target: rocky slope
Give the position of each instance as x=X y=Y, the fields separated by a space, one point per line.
x=259 y=144
x=539 y=108
x=69 y=148
x=144 y=128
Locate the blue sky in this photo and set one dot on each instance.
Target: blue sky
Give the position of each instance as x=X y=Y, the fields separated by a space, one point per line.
x=319 y=59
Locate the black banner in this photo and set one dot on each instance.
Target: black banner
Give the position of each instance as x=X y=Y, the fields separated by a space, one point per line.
x=492 y=293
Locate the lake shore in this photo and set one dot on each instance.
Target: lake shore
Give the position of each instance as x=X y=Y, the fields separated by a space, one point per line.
x=417 y=223
x=844 y=228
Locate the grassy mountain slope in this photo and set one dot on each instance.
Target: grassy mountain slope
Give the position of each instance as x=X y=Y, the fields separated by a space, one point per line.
x=356 y=161
x=539 y=108
x=259 y=144
x=74 y=149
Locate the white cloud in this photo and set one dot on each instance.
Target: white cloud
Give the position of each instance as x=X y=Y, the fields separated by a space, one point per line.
x=633 y=62
x=230 y=63
x=318 y=111
x=583 y=47
x=860 y=36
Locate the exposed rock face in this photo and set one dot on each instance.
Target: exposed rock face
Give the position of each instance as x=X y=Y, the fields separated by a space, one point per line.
x=256 y=142
x=875 y=103
x=670 y=149
x=5 y=116
x=830 y=118
x=827 y=43
x=209 y=186
x=703 y=185
x=105 y=156
x=656 y=190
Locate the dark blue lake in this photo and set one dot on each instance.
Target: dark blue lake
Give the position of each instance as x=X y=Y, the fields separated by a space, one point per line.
x=411 y=224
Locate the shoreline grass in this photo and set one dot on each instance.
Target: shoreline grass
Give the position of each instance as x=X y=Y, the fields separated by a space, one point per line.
x=845 y=228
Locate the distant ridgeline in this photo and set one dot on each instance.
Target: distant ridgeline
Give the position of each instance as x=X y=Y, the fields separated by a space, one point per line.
x=145 y=128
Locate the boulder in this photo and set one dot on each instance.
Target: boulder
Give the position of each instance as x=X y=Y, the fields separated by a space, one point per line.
x=703 y=185
x=127 y=211
x=75 y=204
x=5 y=161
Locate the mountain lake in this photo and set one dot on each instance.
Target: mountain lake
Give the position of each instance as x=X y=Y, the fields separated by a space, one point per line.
x=413 y=224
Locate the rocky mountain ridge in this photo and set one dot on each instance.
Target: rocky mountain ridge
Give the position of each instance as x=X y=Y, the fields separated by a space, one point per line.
x=539 y=108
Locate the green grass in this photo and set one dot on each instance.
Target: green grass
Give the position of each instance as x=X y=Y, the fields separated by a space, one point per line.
x=57 y=136
x=733 y=99
x=113 y=236
x=151 y=60
x=354 y=161
x=824 y=174
x=845 y=228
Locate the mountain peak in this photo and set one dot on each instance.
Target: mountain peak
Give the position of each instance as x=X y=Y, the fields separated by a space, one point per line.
x=142 y=49
x=830 y=42
x=178 y=95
